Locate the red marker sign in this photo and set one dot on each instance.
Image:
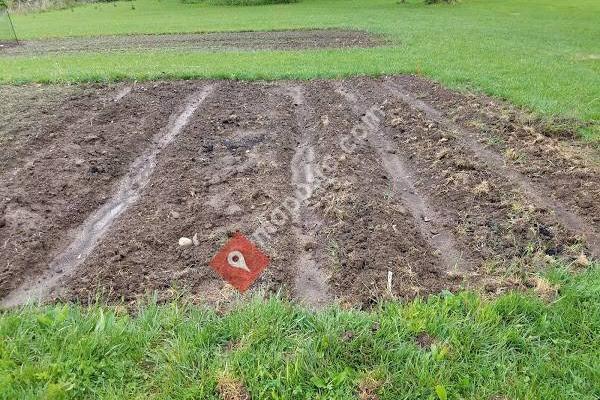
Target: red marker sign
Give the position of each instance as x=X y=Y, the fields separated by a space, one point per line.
x=239 y=262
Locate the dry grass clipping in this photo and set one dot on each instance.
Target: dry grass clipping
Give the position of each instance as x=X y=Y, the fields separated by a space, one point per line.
x=545 y=289
x=482 y=189
x=368 y=387
x=230 y=388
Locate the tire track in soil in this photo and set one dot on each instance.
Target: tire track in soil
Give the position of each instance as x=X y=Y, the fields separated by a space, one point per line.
x=228 y=169
x=366 y=232
x=100 y=221
x=311 y=282
x=427 y=218
x=497 y=162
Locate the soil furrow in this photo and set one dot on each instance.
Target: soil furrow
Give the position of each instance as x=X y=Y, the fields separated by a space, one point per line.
x=227 y=172
x=535 y=192
x=42 y=206
x=367 y=233
x=505 y=235
x=427 y=218
x=342 y=190
x=310 y=285
x=99 y=222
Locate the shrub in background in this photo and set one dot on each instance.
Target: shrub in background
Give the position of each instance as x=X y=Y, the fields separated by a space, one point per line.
x=248 y=2
x=434 y=1
x=25 y=6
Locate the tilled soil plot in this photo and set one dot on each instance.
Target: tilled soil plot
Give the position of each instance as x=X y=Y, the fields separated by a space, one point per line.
x=357 y=190
x=222 y=41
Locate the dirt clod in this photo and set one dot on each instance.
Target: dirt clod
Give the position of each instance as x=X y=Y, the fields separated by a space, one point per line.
x=310 y=246
x=424 y=340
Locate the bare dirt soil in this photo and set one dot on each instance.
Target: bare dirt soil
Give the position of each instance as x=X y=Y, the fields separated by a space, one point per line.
x=358 y=189
x=273 y=40
x=6 y=44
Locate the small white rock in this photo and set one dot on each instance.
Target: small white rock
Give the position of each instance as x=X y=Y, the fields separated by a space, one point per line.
x=195 y=240
x=185 y=242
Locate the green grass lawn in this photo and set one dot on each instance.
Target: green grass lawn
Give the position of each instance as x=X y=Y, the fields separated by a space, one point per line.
x=541 y=54
x=514 y=347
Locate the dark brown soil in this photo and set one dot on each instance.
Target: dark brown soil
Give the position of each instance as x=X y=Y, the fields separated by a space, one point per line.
x=424 y=340
x=415 y=205
x=367 y=231
x=61 y=168
x=558 y=174
x=4 y=44
x=274 y=40
x=226 y=168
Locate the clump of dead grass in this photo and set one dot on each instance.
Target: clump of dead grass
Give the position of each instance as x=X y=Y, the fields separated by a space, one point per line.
x=368 y=387
x=231 y=388
x=582 y=261
x=481 y=189
x=511 y=154
x=544 y=289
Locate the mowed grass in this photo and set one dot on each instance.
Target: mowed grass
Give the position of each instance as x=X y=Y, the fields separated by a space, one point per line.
x=446 y=347
x=541 y=54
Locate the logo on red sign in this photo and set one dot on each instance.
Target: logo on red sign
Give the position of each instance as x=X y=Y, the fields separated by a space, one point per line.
x=239 y=262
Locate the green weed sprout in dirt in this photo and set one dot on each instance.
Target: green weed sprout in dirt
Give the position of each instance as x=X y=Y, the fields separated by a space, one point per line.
x=448 y=346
